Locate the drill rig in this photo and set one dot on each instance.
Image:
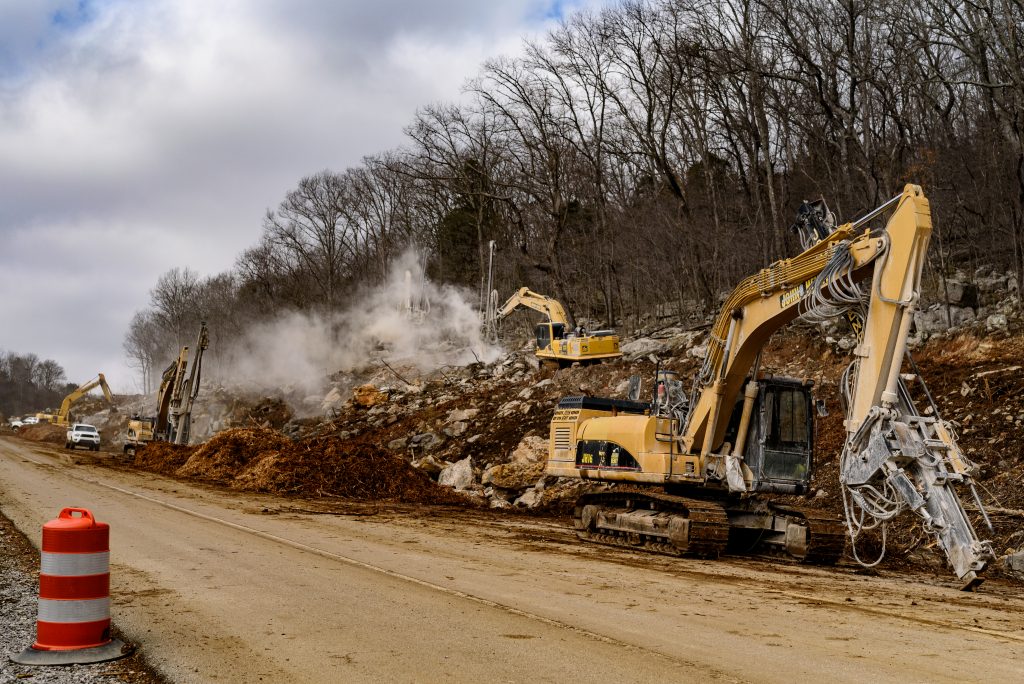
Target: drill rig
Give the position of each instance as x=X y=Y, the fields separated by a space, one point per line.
x=179 y=387
x=557 y=346
x=736 y=436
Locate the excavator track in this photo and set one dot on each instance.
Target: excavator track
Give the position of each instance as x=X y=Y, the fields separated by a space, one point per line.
x=826 y=535
x=653 y=522
x=707 y=524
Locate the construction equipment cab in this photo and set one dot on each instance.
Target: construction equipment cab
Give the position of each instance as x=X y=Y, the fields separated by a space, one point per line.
x=556 y=344
x=738 y=434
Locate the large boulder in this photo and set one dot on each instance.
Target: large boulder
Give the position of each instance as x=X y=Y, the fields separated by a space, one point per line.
x=458 y=475
x=639 y=348
x=1013 y=564
x=455 y=429
x=425 y=441
x=461 y=415
x=514 y=476
x=531 y=449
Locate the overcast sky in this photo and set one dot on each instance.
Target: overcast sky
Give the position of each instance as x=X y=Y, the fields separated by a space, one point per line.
x=138 y=136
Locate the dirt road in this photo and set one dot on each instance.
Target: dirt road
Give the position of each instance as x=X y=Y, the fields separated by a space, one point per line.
x=223 y=587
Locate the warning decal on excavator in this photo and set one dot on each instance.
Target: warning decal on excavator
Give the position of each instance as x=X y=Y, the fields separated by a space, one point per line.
x=600 y=454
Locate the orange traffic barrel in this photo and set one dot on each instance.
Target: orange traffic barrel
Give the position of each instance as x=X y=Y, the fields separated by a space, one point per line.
x=74 y=594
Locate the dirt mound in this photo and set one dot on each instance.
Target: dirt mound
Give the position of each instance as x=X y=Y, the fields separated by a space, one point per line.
x=258 y=459
x=162 y=457
x=327 y=465
x=43 y=432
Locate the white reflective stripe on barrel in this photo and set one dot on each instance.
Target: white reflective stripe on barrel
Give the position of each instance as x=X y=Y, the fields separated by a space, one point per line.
x=74 y=564
x=92 y=610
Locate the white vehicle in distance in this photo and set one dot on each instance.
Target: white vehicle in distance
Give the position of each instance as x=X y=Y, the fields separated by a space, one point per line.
x=30 y=420
x=81 y=434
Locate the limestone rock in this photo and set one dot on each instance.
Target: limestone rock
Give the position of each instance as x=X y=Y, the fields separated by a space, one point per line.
x=1013 y=563
x=461 y=415
x=531 y=498
x=996 y=322
x=456 y=429
x=425 y=441
x=530 y=450
x=458 y=475
x=514 y=476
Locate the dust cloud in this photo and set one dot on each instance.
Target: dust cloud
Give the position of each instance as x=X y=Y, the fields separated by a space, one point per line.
x=408 y=322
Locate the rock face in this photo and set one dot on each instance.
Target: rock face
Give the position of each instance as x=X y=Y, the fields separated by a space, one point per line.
x=458 y=475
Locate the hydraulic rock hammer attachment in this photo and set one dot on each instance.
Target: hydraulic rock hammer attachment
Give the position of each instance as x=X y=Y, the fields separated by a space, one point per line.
x=906 y=462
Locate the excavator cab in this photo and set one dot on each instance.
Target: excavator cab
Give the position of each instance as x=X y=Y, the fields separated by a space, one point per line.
x=546 y=332
x=780 y=443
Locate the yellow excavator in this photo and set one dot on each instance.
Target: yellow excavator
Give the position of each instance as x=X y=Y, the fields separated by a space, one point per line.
x=179 y=386
x=697 y=465
x=63 y=415
x=556 y=345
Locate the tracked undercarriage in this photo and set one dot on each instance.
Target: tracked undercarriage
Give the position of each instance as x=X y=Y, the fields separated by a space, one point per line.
x=682 y=526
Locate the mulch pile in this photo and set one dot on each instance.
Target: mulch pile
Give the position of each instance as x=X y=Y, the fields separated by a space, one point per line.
x=162 y=457
x=262 y=460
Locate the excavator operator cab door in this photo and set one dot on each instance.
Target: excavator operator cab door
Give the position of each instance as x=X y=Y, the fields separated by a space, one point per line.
x=546 y=332
x=780 y=445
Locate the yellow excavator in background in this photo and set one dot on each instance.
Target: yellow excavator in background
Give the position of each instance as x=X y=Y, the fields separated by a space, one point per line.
x=737 y=435
x=63 y=415
x=557 y=346
x=179 y=386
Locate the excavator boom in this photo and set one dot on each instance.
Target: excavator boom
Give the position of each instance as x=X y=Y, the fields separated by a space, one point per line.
x=525 y=297
x=62 y=417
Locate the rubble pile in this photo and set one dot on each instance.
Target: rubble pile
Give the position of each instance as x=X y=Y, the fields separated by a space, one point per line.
x=263 y=460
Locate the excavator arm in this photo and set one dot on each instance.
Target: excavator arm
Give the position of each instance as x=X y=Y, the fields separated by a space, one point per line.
x=79 y=392
x=531 y=300
x=893 y=459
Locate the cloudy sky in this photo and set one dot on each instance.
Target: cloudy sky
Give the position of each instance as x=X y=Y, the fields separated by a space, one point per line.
x=138 y=136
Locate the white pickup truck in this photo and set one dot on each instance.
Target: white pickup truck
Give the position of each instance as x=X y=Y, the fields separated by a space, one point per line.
x=81 y=434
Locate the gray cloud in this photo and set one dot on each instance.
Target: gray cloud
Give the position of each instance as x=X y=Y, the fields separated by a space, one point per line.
x=135 y=137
